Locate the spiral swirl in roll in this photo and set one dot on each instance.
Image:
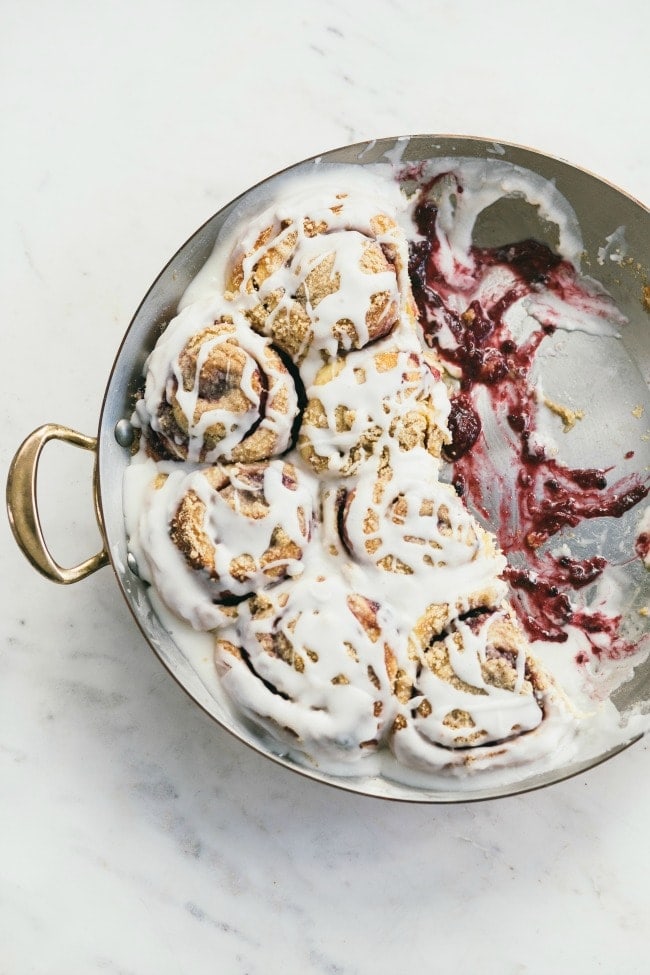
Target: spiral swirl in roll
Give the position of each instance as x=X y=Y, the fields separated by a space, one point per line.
x=216 y=391
x=231 y=530
x=316 y=665
x=369 y=401
x=398 y=517
x=334 y=279
x=478 y=697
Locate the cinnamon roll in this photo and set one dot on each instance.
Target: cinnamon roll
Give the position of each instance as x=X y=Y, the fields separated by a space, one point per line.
x=329 y=275
x=230 y=531
x=216 y=391
x=478 y=697
x=316 y=665
x=398 y=517
x=368 y=401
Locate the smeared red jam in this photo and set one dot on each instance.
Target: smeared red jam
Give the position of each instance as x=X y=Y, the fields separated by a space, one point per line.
x=536 y=496
x=642 y=545
x=540 y=596
x=465 y=427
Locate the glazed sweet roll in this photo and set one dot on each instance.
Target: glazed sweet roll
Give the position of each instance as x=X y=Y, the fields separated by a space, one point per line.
x=388 y=397
x=316 y=664
x=217 y=534
x=329 y=276
x=215 y=390
x=478 y=697
x=398 y=517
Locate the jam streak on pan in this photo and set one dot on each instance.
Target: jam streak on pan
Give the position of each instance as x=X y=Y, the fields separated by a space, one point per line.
x=538 y=497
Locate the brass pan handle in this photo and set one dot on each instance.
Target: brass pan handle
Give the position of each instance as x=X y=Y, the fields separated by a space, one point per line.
x=22 y=505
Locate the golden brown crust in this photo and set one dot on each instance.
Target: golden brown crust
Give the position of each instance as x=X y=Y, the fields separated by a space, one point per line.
x=399 y=406
x=215 y=374
x=287 y=315
x=241 y=487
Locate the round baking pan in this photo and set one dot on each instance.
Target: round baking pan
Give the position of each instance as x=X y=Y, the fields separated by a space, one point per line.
x=600 y=209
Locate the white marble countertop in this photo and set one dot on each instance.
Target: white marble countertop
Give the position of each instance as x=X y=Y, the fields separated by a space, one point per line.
x=135 y=835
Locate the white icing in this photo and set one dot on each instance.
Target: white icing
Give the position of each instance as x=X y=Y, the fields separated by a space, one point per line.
x=311 y=187
x=554 y=736
x=615 y=248
x=193 y=593
x=644 y=529
x=484 y=181
x=164 y=383
x=350 y=300
x=337 y=703
x=445 y=563
x=375 y=397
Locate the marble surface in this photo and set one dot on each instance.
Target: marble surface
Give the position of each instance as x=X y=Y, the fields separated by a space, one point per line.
x=135 y=835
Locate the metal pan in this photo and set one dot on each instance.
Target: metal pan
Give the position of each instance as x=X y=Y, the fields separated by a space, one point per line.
x=600 y=208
